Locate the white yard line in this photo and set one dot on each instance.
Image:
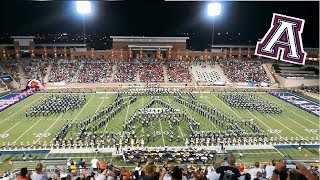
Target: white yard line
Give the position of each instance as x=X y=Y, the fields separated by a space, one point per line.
x=83 y=108
x=209 y=120
x=46 y=157
x=12 y=127
x=61 y=116
x=302 y=125
x=302 y=117
x=162 y=133
x=20 y=109
x=283 y=125
x=226 y=106
x=261 y=121
x=278 y=152
x=128 y=106
x=247 y=111
x=28 y=130
x=178 y=125
x=181 y=132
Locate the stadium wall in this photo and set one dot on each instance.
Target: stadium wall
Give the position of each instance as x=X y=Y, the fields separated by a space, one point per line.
x=284 y=82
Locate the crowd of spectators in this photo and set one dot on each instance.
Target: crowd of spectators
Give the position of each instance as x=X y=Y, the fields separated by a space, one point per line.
x=11 y=68
x=226 y=169
x=126 y=71
x=244 y=70
x=35 y=69
x=151 y=71
x=178 y=72
x=63 y=71
x=97 y=71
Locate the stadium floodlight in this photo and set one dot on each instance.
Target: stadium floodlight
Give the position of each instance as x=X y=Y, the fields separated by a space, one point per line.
x=83 y=8
x=214 y=9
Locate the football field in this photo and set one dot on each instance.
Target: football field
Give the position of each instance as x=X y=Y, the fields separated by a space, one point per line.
x=292 y=122
x=16 y=127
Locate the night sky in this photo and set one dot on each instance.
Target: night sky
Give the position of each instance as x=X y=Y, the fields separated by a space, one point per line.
x=159 y=18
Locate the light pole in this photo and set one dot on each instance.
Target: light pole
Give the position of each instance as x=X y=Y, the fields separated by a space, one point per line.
x=83 y=8
x=214 y=9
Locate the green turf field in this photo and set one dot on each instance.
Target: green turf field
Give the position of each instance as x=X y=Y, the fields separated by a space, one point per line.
x=293 y=122
x=15 y=127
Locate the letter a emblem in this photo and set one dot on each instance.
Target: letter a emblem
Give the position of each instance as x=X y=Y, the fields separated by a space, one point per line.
x=283 y=40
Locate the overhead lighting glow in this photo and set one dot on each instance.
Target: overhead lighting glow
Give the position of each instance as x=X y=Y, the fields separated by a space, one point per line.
x=83 y=7
x=214 y=9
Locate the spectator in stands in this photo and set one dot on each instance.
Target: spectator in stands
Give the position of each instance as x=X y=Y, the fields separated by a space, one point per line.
x=136 y=175
x=148 y=172
x=111 y=175
x=73 y=169
x=253 y=171
x=244 y=70
x=229 y=170
x=102 y=165
x=246 y=176
x=300 y=173
x=24 y=174
x=39 y=174
x=125 y=175
x=211 y=173
x=102 y=175
x=241 y=168
x=94 y=163
x=82 y=165
x=81 y=177
x=270 y=168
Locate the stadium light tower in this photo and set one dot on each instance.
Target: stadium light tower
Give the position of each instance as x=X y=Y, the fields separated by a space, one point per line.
x=214 y=9
x=83 y=8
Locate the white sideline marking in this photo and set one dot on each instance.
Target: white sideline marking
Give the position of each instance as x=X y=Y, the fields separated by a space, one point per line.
x=263 y=153
x=20 y=109
x=61 y=116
